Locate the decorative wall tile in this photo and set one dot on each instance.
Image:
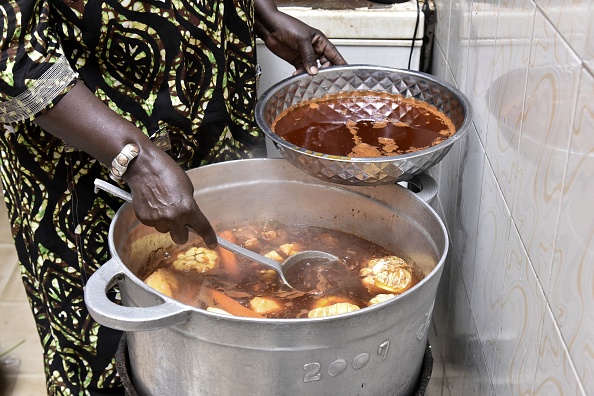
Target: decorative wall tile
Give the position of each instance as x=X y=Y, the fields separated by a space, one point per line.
x=11 y=283
x=439 y=327
x=482 y=22
x=449 y=175
x=464 y=232
x=531 y=166
x=439 y=62
x=477 y=380
x=507 y=90
x=26 y=344
x=572 y=278
x=573 y=19
x=555 y=374
x=459 y=329
x=8 y=266
x=522 y=309
x=550 y=96
x=29 y=385
x=441 y=314
x=437 y=382
x=492 y=236
x=442 y=28
x=457 y=53
x=5 y=232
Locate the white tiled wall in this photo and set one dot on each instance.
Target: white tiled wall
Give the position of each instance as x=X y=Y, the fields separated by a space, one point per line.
x=516 y=316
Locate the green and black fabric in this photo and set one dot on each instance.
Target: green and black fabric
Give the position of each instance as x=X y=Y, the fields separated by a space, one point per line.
x=183 y=71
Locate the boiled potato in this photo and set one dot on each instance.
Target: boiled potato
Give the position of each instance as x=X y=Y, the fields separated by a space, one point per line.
x=274 y=256
x=218 y=310
x=265 y=305
x=331 y=300
x=163 y=281
x=289 y=249
x=331 y=310
x=380 y=298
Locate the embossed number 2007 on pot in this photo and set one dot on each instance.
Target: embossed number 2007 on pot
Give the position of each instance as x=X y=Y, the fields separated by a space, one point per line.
x=314 y=370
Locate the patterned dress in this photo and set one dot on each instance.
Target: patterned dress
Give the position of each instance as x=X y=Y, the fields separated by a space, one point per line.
x=183 y=71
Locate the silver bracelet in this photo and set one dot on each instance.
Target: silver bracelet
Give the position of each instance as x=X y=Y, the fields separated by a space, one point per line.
x=120 y=163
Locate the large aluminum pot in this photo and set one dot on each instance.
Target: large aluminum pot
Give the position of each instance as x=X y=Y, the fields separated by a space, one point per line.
x=176 y=349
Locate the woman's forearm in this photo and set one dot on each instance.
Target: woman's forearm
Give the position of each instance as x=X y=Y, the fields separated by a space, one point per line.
x=162 y=193
x=85 y=122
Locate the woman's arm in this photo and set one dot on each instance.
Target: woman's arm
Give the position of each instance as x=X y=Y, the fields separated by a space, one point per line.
x=36 y=78
x=162 y=193
x=294 y=41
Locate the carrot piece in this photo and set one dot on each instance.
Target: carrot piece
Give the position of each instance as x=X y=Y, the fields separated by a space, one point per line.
x=226 y=303
x=228 y=259
x=228 y=235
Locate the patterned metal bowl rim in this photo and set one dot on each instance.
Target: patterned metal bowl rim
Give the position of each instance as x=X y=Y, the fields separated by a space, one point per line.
x=464 y=102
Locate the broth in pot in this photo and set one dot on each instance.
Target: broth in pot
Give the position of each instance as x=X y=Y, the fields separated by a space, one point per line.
x=220 y=281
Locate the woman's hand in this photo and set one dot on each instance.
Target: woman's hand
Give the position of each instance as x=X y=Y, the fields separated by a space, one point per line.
x=294 y=41
x=162 y=196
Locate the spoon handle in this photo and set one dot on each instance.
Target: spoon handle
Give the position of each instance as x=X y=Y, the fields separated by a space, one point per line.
x=249 y=254
x=126 y=196
x=113 y=190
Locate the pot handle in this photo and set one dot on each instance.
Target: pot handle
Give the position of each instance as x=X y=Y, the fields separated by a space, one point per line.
x=424 y=186
x=124 y=318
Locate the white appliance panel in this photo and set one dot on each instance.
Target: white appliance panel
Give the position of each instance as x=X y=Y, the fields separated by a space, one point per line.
x=390 y=53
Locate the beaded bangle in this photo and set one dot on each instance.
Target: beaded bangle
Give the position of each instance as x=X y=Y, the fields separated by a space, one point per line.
x=120 y=163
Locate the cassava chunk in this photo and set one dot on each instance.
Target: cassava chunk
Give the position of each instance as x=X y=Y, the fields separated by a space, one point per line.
x=264 y=305
x=331 y=310
x=269 y=235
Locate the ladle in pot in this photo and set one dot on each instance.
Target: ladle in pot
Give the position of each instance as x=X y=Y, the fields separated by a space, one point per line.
x=280 y=268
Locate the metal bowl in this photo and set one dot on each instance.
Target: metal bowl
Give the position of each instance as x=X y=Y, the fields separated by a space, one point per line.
x=364 y=171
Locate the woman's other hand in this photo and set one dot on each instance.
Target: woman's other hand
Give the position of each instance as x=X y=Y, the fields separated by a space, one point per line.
x=303 y=46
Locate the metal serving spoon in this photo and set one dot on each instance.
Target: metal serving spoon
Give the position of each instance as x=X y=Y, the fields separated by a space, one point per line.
x=280 y=268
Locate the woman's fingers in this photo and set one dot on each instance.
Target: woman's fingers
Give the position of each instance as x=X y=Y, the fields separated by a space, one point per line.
x=179 y=227
x=179 y=234
x=163 y=198
x=327 y=53
x=203 y=228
